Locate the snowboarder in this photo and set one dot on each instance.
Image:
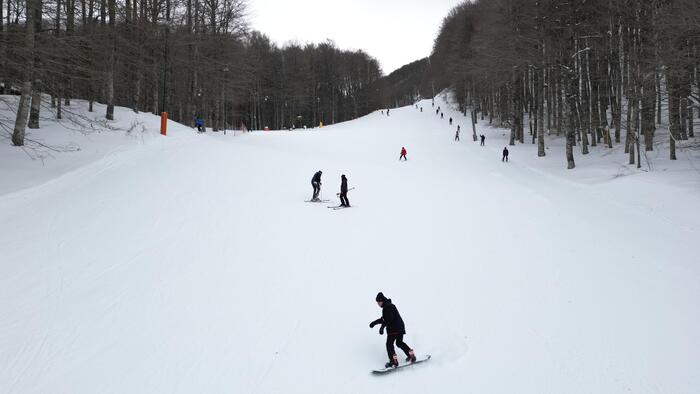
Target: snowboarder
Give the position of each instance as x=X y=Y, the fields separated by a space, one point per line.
x=199 y=123
x=344 y=192
x=483 y=140
x=395 y=330
x=450 y=121
x=403 y=154
x=505 y=154
x=316 y=183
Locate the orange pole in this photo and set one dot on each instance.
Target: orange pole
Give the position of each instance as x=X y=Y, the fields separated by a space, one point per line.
x=164 y=123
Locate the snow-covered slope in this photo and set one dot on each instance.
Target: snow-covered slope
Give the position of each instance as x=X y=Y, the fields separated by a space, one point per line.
x=191 y=263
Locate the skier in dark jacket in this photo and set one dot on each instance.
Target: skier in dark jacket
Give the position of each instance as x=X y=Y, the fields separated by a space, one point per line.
x=199 y=122
x=483 y=140
x=395 y=330
x=505 y=154
x=450 y=121
x=344 y=192
x=316 y=183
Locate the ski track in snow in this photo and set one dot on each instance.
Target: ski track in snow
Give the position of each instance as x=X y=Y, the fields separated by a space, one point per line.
x=192 y=263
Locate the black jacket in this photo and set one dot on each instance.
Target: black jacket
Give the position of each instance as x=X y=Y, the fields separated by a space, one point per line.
x=344 y=185
x=391 y=319
x=317 y=177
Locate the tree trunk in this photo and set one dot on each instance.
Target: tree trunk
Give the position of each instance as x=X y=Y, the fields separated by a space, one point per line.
x=109 y=88
x=33 y=6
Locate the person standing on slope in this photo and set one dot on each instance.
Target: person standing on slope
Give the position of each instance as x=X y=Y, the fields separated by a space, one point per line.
x=344 y=192
x=316 y=184
x=450 y=121
x=457 y=134
x=395 y=330
x=483 y=140
x=387 y=112
x=505 y=154
x=403 y=154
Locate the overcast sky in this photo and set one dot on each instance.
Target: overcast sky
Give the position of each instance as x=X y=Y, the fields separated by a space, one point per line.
x=396 y=32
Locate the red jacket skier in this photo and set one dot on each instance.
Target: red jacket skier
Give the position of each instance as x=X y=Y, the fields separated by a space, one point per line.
x=403 y=154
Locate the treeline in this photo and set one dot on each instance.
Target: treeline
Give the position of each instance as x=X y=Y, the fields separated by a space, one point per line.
x=589 y=70
x=407 y=84
x=190 y=58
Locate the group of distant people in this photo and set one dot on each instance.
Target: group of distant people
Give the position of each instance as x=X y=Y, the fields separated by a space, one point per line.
x=482 y=137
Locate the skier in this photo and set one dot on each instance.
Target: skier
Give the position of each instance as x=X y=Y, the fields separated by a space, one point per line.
x=483 y=140
x=403 y=154
x=505 y=154
x=395 y=330
x=382 y=112
x=442 y=116
x=344 y=192
x=450 y=121
x=387 y=112
x=421 y=109
x=316 y=183
x=437 y=111
x=199 y=122
x=457 y=135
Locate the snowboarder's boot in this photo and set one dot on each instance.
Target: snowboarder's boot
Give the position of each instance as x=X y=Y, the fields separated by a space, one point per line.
x=411 y=357
x=394 y=362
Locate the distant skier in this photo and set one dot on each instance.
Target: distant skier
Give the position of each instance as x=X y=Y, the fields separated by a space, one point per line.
x=387 y=112
x=437 y=111
x=421 y=109
x=433 y=103
x=403 y=154
x=395 y=330
x=344 y=192
x=450 y=121
x=199 y=123
x=442 y=116
x=382 y=112
x=316 y=183
x=457 y=134
x=505 y=154
x=483 y=139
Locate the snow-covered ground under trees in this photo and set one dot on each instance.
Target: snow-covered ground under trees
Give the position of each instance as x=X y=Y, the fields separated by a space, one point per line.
x=191 y=263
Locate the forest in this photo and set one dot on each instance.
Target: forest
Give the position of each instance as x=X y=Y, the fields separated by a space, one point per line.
x=189 y=58
x=598 y=73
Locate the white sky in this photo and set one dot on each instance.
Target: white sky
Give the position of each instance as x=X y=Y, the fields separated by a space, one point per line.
x=395 y=32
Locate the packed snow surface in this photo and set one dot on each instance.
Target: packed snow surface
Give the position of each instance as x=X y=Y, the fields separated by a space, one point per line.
x=191 y=264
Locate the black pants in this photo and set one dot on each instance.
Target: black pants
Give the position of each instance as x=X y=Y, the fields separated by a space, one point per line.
x=482 y=143
x=317 y=189
x=457 y=137
x=505 y=158
x=390 y=338
x=403 y=157
x=344 y=199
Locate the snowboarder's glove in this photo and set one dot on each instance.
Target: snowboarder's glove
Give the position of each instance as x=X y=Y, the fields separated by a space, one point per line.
x=381 y=330
x=374 y=323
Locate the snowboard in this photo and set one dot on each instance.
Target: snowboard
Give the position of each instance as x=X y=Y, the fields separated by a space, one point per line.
x=392 y=369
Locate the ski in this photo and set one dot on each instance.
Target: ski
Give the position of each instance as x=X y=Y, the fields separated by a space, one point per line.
x=392 y=369
x=324 y=201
